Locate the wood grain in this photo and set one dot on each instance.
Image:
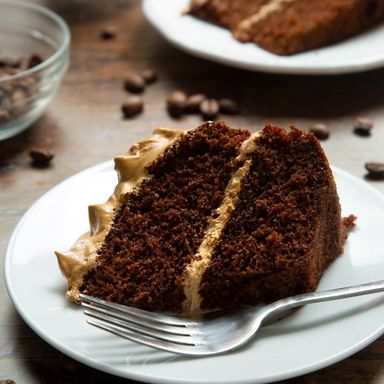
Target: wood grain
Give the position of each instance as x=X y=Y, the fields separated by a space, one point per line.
x=84 y=126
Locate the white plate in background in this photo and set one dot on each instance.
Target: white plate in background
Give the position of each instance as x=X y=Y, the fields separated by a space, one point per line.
x=208 y=41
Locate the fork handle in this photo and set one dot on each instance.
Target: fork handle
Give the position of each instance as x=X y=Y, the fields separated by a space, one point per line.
x=315 y=297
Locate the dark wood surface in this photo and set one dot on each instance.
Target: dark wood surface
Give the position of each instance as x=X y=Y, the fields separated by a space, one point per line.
x=83 y=126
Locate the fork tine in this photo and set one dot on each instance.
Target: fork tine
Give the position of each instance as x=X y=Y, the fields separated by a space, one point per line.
x=184 y=349
x=177 y=330
x=125 y=325
x=151 y=317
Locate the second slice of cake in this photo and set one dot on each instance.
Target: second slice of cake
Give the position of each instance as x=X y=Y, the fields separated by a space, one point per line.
x=286 y=27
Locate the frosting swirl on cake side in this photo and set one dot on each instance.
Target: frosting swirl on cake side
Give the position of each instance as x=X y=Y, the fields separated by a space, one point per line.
x=131 y=170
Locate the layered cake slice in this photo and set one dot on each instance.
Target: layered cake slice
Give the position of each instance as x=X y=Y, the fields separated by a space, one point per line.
x=285 y=27
x=211 y=218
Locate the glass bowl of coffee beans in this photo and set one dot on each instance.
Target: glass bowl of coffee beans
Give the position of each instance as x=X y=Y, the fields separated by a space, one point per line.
x=34 y=44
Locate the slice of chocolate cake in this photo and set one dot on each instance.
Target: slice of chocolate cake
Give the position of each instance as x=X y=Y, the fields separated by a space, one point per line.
x=285 y=27
x=211 y=218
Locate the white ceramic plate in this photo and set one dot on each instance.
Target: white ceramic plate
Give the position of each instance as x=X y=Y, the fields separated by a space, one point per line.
x=208 y=41
x=314 y=337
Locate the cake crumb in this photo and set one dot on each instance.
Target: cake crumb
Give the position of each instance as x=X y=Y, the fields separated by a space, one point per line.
x=349 y=222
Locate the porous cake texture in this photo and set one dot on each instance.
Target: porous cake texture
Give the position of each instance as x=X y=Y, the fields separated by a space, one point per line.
x=211 y=218
x=286 y=27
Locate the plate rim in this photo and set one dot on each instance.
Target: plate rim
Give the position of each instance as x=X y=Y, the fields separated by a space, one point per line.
x=149 y=378
x=362 y=65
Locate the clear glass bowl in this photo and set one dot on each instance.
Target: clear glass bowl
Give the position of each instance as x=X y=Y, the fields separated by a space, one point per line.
x=26 y=30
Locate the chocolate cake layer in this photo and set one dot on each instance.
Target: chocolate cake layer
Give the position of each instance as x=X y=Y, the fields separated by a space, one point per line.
x=286 y=227
x=301 y=25
x=159 y=226
x=286 y=27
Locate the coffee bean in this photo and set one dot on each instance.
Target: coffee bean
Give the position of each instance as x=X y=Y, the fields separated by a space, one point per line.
x=229 y=107
x=108 y=32
x=14 y=95
x=132 y=107
x=209 y=108
x=7 y=381
x=193 y=102
x=176 y=103
x=321 y=131
x=134 y=83
x=375 y=170
x=149 y=75
x=363 y=126
x=41 y=157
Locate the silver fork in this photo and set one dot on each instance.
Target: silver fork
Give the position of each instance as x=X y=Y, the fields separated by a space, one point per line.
x=215 y=333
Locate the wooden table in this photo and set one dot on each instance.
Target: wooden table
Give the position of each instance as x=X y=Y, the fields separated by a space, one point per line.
x=84 y=127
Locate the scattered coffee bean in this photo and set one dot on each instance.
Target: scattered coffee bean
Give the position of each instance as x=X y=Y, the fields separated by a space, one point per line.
x=41 y=157
x=108 y=33
x=132 y=107
x=7 y=381
x=375 y=170
x=193 y=102
x=209 y=108
x=363 y=126
x=321 y=131
x=149 y=75
x=134 y=83
x=229 y=107
x=176 y=103
x=179 y=103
